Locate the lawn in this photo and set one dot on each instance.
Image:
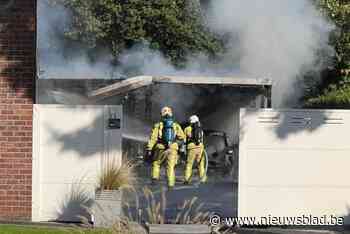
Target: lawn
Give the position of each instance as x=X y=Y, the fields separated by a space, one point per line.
x=14 y=229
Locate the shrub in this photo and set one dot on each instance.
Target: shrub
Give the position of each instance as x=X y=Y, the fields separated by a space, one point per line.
x=115 y=176
x=189 y=212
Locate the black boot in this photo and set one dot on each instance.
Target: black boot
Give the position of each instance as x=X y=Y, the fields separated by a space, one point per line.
x=186 y=182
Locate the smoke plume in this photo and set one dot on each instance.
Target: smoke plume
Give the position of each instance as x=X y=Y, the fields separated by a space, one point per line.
x=277 y=39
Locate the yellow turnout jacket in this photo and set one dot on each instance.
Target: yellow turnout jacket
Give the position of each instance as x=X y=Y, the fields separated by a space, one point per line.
x=156 y=136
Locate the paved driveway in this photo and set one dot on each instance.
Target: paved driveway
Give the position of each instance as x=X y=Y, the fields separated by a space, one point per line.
x=219 y=195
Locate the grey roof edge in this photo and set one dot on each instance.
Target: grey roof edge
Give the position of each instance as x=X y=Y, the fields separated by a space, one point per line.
x=232 y=80
x=141 y=81
x=121 y=87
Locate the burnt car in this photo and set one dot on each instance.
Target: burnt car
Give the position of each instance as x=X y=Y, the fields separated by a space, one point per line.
x=222 y=156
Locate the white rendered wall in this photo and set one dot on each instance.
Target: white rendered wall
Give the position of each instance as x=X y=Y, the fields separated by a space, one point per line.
x=294 y=163
x=70 y=144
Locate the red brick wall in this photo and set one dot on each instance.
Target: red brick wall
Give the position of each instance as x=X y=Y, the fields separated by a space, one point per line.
x=17 y=74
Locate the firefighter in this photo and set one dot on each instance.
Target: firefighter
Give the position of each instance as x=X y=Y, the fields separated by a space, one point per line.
x=163 y=146
x=195 y=150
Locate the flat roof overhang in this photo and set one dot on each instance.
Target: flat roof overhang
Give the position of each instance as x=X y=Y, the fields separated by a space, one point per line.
x=133 y=83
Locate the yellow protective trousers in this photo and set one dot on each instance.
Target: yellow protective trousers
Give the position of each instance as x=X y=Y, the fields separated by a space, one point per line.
x=170 y=157
x=195 y=154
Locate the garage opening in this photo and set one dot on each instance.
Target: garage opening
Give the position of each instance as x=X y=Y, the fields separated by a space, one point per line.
x=217 y=102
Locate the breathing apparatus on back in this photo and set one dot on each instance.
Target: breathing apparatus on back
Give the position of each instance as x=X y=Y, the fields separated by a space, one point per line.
x=197 y=132
x=168 y=134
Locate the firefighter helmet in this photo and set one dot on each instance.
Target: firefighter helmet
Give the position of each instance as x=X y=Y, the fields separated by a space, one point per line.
x=194 y=119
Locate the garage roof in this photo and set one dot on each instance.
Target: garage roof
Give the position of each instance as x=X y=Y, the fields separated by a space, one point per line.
x=141 y=81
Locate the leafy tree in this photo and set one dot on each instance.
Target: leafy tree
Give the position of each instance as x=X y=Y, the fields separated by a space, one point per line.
x=168 y=26
x=334 y=90
x=334 y=96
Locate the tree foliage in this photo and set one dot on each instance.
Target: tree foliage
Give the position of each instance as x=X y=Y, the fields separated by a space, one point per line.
x=334 y=91
x=334 y=96
x=339 y=12
x=168 y=26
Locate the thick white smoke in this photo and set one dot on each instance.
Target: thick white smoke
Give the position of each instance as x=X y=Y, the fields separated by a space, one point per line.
x=56 y=60
x=277 y=39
